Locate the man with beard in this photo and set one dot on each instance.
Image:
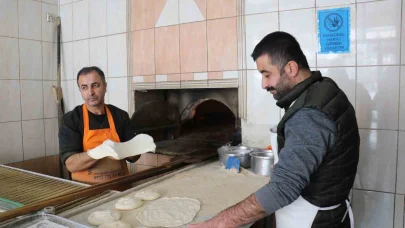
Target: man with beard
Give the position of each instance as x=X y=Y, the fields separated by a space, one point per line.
x=88 y=126
x=318 y=145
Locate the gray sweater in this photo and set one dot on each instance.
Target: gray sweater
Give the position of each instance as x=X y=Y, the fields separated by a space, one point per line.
x=309 y=134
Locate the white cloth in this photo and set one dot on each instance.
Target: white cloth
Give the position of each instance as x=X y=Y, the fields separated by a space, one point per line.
x=140 y=144
x=301 y=213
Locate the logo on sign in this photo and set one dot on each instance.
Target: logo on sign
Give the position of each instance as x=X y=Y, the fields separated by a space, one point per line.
x=333 y=22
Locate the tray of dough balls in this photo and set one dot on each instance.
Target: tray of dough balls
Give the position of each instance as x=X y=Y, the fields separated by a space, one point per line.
x=193 y=194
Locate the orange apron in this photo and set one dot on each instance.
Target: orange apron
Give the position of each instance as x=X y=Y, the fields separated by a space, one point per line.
x=105 y=169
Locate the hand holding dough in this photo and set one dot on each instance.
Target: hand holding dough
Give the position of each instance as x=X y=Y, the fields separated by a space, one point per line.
x=140 y=144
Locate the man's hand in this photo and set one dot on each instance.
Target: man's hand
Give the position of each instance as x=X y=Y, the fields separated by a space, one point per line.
x=245 y=212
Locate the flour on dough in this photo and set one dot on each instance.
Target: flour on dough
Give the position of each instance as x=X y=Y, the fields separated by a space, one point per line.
x=116 y=224
x=127 y=203
x=147 y=195
x=104 y=216
x=169 y=212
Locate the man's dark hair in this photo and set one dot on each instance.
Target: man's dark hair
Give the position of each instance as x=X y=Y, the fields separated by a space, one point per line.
x=86 y=70
x=282 y=47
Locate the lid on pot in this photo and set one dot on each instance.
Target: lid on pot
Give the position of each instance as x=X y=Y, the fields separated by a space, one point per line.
x=263 y=154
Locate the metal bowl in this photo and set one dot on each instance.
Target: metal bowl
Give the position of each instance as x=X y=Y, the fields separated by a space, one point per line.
x=262 y=162
x=241 y=152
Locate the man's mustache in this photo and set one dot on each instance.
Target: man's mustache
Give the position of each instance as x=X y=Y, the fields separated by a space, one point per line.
x=270 y=88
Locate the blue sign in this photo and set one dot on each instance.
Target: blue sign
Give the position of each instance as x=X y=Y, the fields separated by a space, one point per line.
x=334 y=30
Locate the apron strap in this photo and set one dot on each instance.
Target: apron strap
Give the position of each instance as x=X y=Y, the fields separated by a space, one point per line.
x=351 y=217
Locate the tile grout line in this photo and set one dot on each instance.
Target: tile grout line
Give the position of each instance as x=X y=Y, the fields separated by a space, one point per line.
x=19 y=80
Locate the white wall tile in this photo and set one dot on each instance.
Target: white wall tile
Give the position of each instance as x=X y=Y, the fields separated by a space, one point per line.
x=81 y=55
x=403 y=36
x=200 y=76
x=68 y=95
x=169 y=15
x=63 y=2
x=78 y=99
x=399 y=211
x=378 y=153
x=231 y=74
x=98 y=53
x=377 y=95
x=401 y=163
x=118 y=92
x=97 y=18
x=378 y=37
x=32 y=104
x=51 y=136
x=189 y=11
x=301 y=24
x=29 y=19
x=67 y=61
x=294 y=4
x=261 y=106
x=81 y=20
x=345 y=77
x=9 y=18
x=257 y=27
x=116 y=16
x=53 y=2
x=372 y=209
x=49 y=61
x=255 y=135
x=10 y=100
x=340 y=59
x=137 y=79
x=33 y=139
x=66 y=15
x=260 y=6
x=161 y=78
x=50 y=106
x=402 y=99
x=322 y=3
x=117 y=55
x=11 y=149
x=30 y=59
x=48 y=28
x=9 y=58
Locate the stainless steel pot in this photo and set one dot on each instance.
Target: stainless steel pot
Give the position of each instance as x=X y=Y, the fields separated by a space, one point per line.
x=241 y=152
x=262 y=162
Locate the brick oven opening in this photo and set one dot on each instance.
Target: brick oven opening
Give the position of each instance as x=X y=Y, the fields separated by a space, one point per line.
x=187 y=121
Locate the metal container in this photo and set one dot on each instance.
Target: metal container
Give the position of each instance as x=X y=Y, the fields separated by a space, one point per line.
x=42 y=220
x=241 y=152
x=262 y=162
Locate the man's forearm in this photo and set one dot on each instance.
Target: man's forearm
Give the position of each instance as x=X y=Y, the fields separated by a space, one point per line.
x=245 y=212
x=79 y=162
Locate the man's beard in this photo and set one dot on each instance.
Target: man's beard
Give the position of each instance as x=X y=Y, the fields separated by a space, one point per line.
x=283 y=87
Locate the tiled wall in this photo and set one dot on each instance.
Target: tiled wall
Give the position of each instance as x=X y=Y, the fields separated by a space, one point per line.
x=28 y=117
x=371 y=75
x=184 y=43
x=94 y=33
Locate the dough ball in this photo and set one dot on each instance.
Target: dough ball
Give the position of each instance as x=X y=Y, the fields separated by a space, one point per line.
x=104 y=216
x=147 y=195
x=127 y=203
x=116 y=224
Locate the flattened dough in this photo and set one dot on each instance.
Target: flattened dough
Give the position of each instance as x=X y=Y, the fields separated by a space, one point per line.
x=169 y=212
x=140 y=144
x=104 y=216
x=127 y=203
x=116 y=224
x=147 y=195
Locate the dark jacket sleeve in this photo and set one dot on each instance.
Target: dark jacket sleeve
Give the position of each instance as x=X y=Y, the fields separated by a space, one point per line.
x=70 y=138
